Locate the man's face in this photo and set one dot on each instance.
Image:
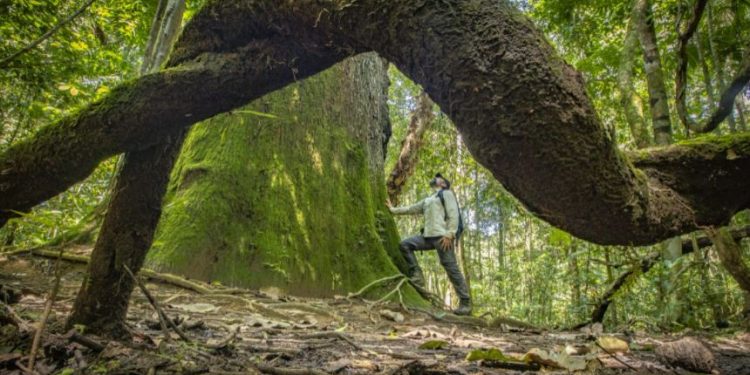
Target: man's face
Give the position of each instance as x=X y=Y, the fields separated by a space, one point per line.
x=436 y=183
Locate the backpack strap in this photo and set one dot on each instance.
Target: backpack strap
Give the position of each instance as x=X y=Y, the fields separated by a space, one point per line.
x=442 y=200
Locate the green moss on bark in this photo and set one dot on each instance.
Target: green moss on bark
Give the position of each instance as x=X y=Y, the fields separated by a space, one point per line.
x=287 y=191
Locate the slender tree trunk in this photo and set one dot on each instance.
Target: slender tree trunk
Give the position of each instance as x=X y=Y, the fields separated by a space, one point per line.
x=730 y=254
x=610 y=280
x=648 y=262
x=718 y=62
x=681 y=80
x=124 y=239
x=421 y=119
x=163 y=35
x=658 y=101
x=707 y=79
x=709 y=292
x=741 y=113
x=635 y=121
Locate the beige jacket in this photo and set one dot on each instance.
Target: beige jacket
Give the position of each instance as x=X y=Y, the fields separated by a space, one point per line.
x=435 y=222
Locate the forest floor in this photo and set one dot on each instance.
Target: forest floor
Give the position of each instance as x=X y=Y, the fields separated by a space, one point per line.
x=250 y=332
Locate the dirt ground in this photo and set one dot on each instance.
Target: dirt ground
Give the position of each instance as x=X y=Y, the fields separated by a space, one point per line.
x=250 y=332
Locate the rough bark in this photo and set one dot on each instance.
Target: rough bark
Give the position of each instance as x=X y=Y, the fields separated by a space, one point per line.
x=657 y=92
x=521 y=110
x=420 y=120
x=287 y=191
x=125 y=236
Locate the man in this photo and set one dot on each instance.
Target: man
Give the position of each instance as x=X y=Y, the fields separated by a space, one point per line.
x=441 y=223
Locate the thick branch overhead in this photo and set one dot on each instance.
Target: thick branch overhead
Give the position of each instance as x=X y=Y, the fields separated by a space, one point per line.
x=521 y=110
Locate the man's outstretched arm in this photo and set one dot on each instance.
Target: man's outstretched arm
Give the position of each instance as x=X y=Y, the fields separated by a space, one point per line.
x=414 y=209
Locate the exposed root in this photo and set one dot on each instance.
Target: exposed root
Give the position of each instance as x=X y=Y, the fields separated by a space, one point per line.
x=373 y=284
x=45 y=314
x=480 y=322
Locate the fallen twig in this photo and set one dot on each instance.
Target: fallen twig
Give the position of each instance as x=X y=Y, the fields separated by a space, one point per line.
x=615 y=357
x=22 y=324
x=159 y=311
x=226 y=341
x=288 y=371
x=45 y=314
x=334 y=335
x=88 y=342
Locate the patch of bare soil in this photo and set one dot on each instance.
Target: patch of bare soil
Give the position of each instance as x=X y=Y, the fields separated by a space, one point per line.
x=249 y=332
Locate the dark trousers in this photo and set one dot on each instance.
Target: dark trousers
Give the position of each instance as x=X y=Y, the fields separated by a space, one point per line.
x=447 y=260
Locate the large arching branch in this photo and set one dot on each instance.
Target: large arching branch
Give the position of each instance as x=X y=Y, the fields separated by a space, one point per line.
x=523 y=112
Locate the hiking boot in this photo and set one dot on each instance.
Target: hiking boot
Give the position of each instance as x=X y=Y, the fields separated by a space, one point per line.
x=464 y=307
x=417 y=278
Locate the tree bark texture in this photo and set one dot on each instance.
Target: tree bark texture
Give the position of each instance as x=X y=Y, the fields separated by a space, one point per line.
x=102 y=302
x=521 y=110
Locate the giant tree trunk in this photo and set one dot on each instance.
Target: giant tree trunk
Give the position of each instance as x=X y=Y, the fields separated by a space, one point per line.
x=521 y=110
x=287 y=191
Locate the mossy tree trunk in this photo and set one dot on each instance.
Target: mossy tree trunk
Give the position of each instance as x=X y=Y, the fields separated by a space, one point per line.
x=287 y=191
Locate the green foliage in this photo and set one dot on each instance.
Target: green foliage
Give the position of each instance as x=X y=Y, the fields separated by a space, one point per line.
x=520 y=266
